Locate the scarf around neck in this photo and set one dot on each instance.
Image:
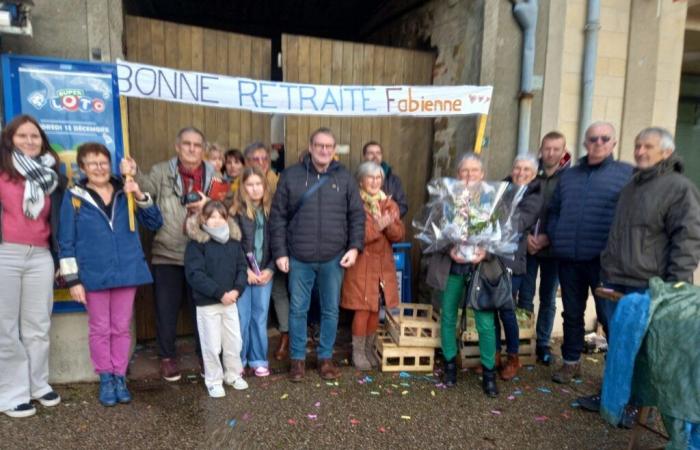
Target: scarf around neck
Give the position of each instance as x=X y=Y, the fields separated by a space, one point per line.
x=220 y=234
x=41 y=180
x=372 y=201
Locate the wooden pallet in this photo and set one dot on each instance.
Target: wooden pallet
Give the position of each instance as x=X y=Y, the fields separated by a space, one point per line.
x=414 y=325
x=469 y=343
x=407 y=359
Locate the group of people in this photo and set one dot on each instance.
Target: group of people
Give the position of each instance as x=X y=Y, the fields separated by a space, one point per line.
x=314 y=228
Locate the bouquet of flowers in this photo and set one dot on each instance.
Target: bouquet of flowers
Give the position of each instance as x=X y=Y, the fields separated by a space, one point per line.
x=468 y=216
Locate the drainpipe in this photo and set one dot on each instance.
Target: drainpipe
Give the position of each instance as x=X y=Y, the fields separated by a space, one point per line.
x=590 y=56
x=525 y=12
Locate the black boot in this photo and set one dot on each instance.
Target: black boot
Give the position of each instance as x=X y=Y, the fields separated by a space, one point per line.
x=451 y=372
x=488 y=382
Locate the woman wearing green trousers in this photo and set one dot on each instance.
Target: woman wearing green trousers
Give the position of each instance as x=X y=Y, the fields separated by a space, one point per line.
x=450 y=274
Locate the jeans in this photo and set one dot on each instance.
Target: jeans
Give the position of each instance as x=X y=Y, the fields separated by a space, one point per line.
x=302 y=275
x=577 y=277
x=611 y=306
x=511 y=329
x=171 y=290
x=549 y=281
x=109 y=317
x=253 y=306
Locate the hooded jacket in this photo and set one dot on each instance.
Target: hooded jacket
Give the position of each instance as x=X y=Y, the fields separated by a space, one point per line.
x=165 y=184
x=656 y=231
x=330 y=222
x=392 y=187
x=212 y=268
x=583 y=207
x=98 y=251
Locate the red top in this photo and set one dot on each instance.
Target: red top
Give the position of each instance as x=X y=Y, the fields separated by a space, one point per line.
x=16 y=227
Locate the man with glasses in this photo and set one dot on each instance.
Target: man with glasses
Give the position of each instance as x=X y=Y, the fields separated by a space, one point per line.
x=317 y=228
x=579 y=218
x=256 y=154
x=179 y=187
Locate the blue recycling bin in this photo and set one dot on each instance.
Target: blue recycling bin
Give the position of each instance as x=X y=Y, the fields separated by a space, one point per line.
x=402 y=260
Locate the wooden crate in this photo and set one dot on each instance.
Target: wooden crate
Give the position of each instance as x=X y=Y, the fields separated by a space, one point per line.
x=469 y=343
x=397 y=359
x=414 y=325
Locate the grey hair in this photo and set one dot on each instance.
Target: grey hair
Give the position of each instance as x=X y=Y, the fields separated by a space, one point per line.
x=470 y=156
x=600 y=123
x=252 y=147
x=665 y=137
x=368 y=169
x=191 y=129
x=528 y=158
x=323 y=130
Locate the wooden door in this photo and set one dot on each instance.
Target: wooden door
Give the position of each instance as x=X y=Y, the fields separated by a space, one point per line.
x=153 y=125
x=406 y=142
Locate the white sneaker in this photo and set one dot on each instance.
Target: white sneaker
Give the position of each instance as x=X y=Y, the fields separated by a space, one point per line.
x=216 y=391
x=238 y=384
x=50 y=399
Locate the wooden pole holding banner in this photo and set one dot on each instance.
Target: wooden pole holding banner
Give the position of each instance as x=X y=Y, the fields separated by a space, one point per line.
x=480 y=133
x=125 y=143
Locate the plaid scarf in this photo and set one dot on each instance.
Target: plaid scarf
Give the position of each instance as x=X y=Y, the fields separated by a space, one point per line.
x=372 y=201
x=41 y=180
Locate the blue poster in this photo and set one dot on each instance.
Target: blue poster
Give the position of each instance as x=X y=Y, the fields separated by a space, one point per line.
x=74 y=102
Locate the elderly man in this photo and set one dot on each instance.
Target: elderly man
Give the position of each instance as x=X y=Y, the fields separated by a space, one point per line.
x=256 y=154
x=656 y=231
x=579 y=219
x=372 y=151
x=317 y=226
x=554 y=159
x=179 y=187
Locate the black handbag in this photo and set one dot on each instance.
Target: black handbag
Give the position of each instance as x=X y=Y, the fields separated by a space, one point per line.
x=484 y=295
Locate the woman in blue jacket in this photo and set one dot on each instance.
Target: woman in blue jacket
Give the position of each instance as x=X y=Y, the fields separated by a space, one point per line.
x=102 y=262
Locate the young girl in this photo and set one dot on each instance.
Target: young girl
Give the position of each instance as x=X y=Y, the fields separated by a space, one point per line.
x=215 y=267
x=215 y=156
x=253 y=209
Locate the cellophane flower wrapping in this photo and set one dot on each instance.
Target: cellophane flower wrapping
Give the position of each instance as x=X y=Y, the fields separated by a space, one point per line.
x=482 y=214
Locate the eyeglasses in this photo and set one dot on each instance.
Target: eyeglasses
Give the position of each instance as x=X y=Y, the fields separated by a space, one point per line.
x=594 y=139
x=323 y=146
x=95 y=164
x=259 y=159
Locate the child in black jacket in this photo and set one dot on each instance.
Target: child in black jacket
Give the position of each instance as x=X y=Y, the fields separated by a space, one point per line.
x=215 y=267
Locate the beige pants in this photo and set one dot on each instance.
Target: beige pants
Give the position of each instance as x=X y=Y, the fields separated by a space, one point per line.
x=219 y=329
x=26 y=299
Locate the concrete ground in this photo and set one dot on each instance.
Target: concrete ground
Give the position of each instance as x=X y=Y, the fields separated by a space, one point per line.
x=362 y=410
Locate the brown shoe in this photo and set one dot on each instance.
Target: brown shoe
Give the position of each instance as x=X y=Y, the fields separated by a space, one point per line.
x=327 y=369
x=567 y=372
x=296 y=371
x=510 y=370
x=282 y=351
x=169 y=370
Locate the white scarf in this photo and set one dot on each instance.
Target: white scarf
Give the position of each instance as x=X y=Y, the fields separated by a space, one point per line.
x=41 y=180
x=220 y=234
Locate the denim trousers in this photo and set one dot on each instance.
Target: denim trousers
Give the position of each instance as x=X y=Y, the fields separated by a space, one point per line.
x=549 y=282
x=302 y=276
x=577 y=278
x=253 y=307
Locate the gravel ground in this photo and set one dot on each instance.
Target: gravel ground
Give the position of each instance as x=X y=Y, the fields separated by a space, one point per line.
x=382 y=411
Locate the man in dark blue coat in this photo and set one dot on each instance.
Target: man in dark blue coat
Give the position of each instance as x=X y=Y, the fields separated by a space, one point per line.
x=579 y=219
x=317 y=228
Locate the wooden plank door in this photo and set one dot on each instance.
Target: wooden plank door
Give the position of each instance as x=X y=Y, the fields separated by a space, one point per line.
x=407 y=142
x=153 y=125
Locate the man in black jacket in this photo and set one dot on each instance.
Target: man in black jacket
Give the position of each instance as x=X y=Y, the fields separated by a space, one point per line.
x=372 y=151
x=317 y=228
x=656 y=230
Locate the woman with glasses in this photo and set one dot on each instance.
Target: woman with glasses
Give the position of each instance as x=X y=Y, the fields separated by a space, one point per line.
x=102 y=262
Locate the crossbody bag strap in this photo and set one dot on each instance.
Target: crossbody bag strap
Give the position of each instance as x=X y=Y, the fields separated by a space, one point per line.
x=323 y=180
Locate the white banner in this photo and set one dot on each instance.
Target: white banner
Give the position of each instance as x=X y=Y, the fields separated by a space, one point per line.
x=205 y=89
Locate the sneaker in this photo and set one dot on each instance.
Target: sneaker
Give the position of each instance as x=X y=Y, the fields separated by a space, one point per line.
x=544 y=356
x=50 y=399
x=216 y=391
x=21 y=410
x=629 y=417
x=169 y=370
x=567 y=372
x=238 y=384
x=589 y=403
x=262 y=371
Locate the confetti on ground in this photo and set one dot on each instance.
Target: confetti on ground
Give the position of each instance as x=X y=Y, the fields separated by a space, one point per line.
x=404 y=392
x=291 y=421
x=441 y=386
x=284 y=397
x=318 y=384
x=516 y=378
x=575 y=405
x=232 y=423
x=406 y=417
x=432 y=393
x=404 y=375
x=530 y=368
x=541 y=418
x=511 y=397
x=593 y=360
x=395 y=386
x=312 y=416
x=566 y=415
x=354 y=422
x=405 y=385
x=578 y=381
x=517 y=392
x=374 y=392
x=334 y=392
x=544 y=390
x=247 y=416
x=382 y=430
x=495 y=412
x=566 y=391
x=328 y=383
x=317 y=404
